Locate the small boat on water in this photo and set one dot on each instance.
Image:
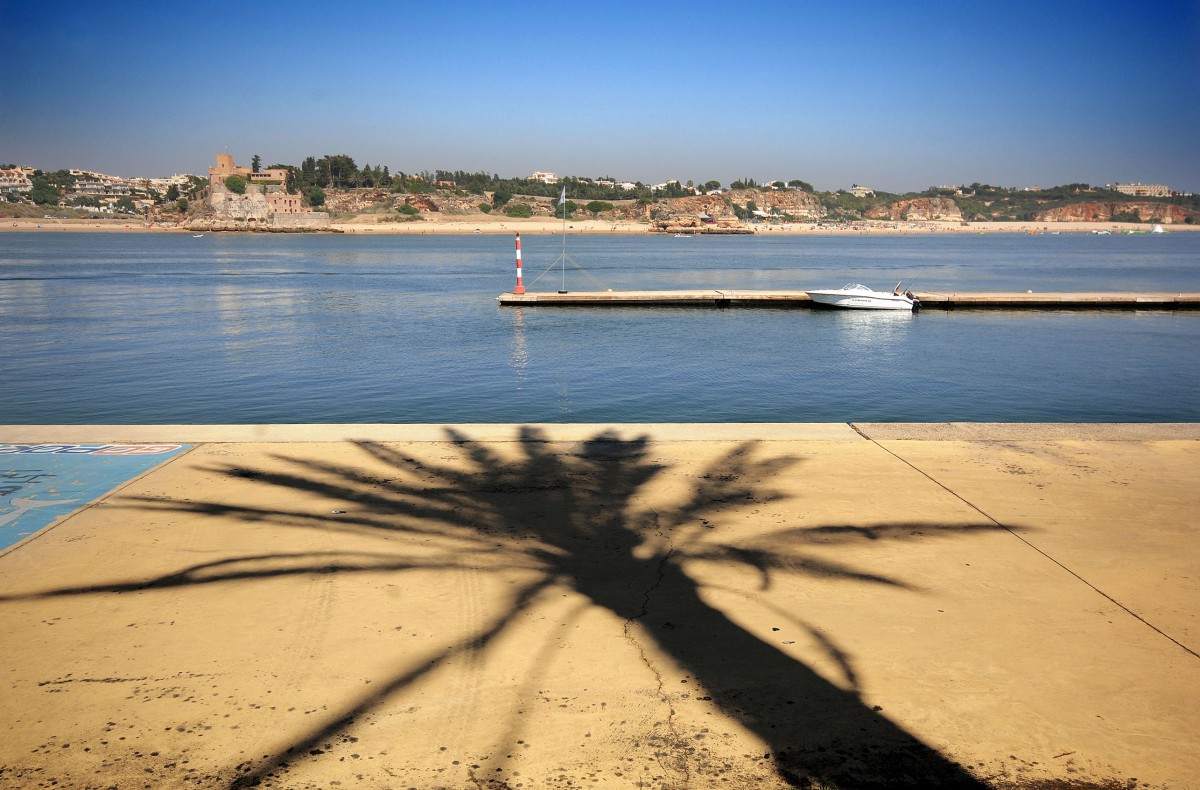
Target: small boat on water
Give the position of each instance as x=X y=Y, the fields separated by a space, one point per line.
x=197 y=235
x=860 y=297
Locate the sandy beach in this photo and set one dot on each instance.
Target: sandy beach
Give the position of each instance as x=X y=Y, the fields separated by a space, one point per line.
x=740 y=606
x=493 y=225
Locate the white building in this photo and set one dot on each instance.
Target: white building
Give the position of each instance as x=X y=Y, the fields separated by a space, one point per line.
x=163 y=184
x=545 y=178
x=16 y=180
x=1143 y=190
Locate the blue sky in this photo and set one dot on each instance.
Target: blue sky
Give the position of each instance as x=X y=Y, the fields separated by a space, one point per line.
x=897 y=96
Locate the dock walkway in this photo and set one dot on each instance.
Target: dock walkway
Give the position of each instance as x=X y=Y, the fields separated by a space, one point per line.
x=1027 y=300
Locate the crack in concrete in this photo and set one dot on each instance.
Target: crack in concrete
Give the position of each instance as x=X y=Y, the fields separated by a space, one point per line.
x=673 y=735
x=1031 y=545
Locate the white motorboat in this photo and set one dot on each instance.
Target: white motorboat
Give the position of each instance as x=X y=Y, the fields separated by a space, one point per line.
x=860 y=297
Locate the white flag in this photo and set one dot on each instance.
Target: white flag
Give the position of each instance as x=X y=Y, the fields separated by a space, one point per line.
x=563 y=197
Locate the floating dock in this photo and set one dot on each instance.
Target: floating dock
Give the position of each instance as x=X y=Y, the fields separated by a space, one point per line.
x=796 y=299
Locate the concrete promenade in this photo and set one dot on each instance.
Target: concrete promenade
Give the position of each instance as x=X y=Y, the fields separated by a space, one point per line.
x=670 y=606
x=1092 y=300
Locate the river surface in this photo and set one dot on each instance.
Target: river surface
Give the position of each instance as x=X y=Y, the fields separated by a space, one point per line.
x=141 y=328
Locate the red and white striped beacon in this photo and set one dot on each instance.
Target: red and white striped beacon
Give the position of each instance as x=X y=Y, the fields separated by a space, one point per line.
x=520 y=289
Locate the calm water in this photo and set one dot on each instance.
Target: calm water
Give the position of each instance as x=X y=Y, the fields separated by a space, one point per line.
x=99 y=328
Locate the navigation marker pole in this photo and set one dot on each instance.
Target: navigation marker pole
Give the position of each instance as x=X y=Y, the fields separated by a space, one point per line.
x=562 y=201
x=520 y=289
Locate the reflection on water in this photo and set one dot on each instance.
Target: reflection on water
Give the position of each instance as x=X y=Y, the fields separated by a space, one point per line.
x=141 y=329
x=868 y=331
x=518 y=358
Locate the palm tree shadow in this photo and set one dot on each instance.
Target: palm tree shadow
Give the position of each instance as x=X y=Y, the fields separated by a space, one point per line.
x=572 y=519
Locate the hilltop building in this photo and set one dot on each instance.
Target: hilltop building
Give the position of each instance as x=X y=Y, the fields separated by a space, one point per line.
x=16 y=180
x=89 y=183
x=858 y=191
x=225 y=168
x=1143 y=190
x=545 y=178
x=266 y=204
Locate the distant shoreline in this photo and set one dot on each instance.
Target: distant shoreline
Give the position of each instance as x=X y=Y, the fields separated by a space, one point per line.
x=468 y=226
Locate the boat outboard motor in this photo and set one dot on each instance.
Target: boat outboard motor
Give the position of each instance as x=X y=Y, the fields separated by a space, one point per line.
x=916 y=302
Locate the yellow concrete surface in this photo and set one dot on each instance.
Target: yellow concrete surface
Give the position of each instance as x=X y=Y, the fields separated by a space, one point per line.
x=618 y=606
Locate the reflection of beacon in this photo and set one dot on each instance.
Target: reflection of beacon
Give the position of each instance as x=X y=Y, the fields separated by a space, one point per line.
x=519 y=357
x=520 y=289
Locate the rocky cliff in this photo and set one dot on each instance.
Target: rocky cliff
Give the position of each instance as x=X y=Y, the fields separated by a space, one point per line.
x=1103 y=211
x=684 y=212
x=355 y=201
x=918 y=210
x=444 y=202
x=715 y=206
x=801 y=205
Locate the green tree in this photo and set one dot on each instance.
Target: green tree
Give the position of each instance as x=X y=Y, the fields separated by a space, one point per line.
x=519 y=210
x=308 y=173
x=182 y=205
x=798 y=184
x=236 y=184
x=597 y=206
x=255 y=163
x=172 y=193
x=43 y=193
x=196 y=185
x=316 y=197
x=125 y=204
x=500 y=197
x=486 y=208
x=60 y=179
x=342 y=171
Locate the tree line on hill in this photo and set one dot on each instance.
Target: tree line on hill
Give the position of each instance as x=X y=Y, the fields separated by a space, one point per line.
x=987 y=203
x=976 y=201
x=339 y=171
